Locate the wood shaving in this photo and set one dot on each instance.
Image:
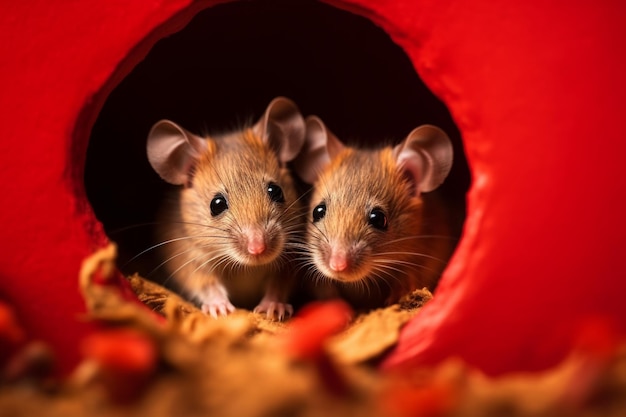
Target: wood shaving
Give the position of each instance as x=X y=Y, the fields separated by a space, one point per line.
x=237 y=366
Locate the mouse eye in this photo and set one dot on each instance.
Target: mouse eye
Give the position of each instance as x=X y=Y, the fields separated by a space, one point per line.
x=218 y=205
x=378 y=219
x=319 y=212
x=275 y=192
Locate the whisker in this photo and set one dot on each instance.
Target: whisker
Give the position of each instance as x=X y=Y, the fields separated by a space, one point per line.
x=386 y=266
x=313 y=274
x=377 y=280
x=392 y=274
x=401 y=239
x=408 y=263
x=171 y=258
x=130 y=227
x=422 y=255
x=296 y=201
x=166 y=242
x=303 y=266
x=185 y=264
x=157 y=223
x=298 y=245
x=205 y=263
x=320 y=232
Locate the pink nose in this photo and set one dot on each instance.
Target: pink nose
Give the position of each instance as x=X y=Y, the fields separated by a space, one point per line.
x=256 y=243
x=338 y=261
x=256 y=248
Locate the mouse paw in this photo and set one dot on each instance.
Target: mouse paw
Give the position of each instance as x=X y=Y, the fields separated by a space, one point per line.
x=276 y=309
x=214 y=300
x=218 y=308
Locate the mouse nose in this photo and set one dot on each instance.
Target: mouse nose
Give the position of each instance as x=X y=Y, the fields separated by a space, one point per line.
x=338 y=261
x=256 y=242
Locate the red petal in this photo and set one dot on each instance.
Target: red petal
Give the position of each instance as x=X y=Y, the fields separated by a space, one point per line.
x=315 y=323
x=121 y=350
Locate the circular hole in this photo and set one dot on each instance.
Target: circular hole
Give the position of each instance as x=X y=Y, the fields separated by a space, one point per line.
x=222 y=69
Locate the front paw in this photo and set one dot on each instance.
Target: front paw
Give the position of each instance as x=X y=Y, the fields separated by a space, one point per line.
x=216 y=308
x=273 y=309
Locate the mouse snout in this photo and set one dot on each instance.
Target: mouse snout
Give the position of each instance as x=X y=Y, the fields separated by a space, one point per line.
x=339 y=260
x=256 y=244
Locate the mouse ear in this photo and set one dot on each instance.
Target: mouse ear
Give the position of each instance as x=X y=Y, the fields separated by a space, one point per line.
x=426 y=156
x=172 y=151
x=320 y=146
x=282 y=127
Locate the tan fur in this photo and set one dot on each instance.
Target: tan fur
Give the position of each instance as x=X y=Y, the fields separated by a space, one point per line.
x=239 y=166
x=355 y=182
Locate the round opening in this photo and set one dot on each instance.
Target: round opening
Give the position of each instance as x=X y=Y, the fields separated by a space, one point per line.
x=222 y=69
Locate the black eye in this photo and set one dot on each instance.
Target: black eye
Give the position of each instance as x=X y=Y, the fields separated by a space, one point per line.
x=275 y=193
x=319 y=212
x=218 y=205
x=378 y=219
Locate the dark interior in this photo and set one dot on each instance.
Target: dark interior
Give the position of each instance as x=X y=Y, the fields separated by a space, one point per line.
x=222 y=70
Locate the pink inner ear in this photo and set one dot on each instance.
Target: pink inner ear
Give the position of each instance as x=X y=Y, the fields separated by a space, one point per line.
x=429 y=152
x=173 y=151
x=191 y=173
x=283 y=127
x=315 y=153
x=334 y=145
x=411 y=165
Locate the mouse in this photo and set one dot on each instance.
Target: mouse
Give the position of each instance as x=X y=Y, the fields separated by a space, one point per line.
x=376 y=231
x=226 y=236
